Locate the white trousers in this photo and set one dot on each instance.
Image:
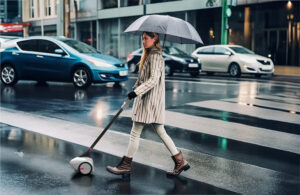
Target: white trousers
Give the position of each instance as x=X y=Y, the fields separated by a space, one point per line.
x=135 y=138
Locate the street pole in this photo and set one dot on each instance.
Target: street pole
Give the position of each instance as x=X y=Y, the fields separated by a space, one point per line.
x=224 y=24
x=60 y=18
x=67 y=18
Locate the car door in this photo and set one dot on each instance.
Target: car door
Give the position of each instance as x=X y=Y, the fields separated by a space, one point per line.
x=25 y=58
x=205 y=55
x=221 y=59
x=53 y=66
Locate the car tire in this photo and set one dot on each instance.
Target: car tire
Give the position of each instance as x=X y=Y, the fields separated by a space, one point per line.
x=234 y=70
x=8 y=75
x=168 y=70
x=81 y=78
x=132 y=67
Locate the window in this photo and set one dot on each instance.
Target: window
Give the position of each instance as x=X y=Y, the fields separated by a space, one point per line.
x=208 y=50
x=34 y=8
x=47 y=4
x=220 y=50
x=109 y=4
x=28 y=45
x=47 y=46
x=241 y=50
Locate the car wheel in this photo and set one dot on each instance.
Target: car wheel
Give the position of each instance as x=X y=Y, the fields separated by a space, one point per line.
x=132 y=67
x=168 y=70
x=234 y=70
x=8 y=75
x=82 y=78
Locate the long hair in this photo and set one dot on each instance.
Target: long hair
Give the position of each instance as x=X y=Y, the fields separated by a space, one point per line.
x=146 y=51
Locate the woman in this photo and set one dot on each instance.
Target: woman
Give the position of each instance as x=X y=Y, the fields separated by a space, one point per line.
x=149 y=106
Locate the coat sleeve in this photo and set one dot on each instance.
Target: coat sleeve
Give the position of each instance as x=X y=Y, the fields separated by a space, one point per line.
x=155 y=63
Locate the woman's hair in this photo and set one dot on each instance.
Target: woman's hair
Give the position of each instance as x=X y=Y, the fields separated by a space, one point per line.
x=146 y=51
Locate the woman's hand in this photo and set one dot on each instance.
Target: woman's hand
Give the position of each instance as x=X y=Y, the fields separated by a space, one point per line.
x=131 y=95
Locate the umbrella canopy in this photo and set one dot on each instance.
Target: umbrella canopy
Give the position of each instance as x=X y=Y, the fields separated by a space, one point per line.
x=169 y=28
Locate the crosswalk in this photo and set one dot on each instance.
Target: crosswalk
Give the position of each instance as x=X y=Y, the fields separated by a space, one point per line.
x=223 y=149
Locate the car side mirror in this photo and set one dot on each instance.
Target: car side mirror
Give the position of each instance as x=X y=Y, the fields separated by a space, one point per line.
x=228 y=53
x=59 y=51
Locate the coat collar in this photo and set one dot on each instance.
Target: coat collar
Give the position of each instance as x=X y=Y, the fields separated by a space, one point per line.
x=155 y=50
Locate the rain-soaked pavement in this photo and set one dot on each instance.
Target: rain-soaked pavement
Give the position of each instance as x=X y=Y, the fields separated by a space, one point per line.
x=37 y=164
x=267 y=109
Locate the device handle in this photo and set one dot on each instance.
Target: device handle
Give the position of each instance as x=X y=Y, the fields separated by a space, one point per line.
x=125 y=105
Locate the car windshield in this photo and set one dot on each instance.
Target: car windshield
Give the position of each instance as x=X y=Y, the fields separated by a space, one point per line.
x=241 y=50
x=80 y=46
x=174 y=51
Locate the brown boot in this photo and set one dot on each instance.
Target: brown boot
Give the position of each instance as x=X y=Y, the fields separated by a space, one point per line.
x=180 y=165
x=123 y=168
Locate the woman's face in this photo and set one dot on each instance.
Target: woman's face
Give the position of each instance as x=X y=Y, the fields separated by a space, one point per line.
x=148 y=41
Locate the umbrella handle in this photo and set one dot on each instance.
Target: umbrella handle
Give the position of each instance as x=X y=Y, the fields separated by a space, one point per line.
x=164 y=41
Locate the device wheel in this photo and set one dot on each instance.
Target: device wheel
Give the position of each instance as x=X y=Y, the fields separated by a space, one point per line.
x=85 y=168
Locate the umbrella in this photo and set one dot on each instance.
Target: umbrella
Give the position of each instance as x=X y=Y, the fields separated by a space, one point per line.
x=169 y=28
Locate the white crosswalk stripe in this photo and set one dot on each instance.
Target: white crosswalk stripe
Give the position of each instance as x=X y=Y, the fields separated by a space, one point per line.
x=249 y=110
x=217 y=171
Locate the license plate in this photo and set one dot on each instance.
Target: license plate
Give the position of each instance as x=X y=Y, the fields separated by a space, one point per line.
x=266 y=69
x=123 y=73
x=193 y=65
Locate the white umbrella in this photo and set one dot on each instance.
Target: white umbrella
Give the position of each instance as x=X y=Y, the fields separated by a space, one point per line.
x=169 y=28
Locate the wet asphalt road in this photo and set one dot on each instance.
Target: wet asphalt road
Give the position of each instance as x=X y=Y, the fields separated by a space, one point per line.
x=35 y=164
x=22 y=161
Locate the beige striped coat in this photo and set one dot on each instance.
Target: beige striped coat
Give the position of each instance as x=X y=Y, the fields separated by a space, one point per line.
x=149 y=105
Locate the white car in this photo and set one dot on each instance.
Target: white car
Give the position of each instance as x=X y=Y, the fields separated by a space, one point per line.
x=4 y=39
x=233 y=59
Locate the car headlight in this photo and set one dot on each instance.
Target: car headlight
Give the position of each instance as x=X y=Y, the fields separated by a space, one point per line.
x=100 y=63
x=199 y=61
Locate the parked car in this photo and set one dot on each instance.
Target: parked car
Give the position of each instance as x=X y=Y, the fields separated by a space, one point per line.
x=59 y=59
x=233 y=59
x=5 y=39
x=175 y=61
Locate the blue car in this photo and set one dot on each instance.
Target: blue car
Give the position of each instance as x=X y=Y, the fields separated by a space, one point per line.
x=58 y=59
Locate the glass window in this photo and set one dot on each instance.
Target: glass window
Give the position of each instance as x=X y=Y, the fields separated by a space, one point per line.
x=28 y=45
x=241 y=50
x=208 y=50
x=174 y=51
x=109 y=4
x=47 y=46
x=47 y=7
x=161 y=1
x=80 y=46
x=125 y=3
x=220 y=50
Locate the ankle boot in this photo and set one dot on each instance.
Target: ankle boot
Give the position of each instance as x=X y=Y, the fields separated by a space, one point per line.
x=123 y=168
x=180 y=165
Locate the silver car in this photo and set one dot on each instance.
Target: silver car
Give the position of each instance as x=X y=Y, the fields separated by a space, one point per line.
x=233 y=59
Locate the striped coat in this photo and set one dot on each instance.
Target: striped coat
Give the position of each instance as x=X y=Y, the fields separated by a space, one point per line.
x=149 y=105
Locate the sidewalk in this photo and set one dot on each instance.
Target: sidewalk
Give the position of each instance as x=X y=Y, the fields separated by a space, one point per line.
x=287 y=70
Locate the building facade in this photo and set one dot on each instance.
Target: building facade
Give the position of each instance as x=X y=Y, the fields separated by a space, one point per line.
x=11 y=18
x=268 y=27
